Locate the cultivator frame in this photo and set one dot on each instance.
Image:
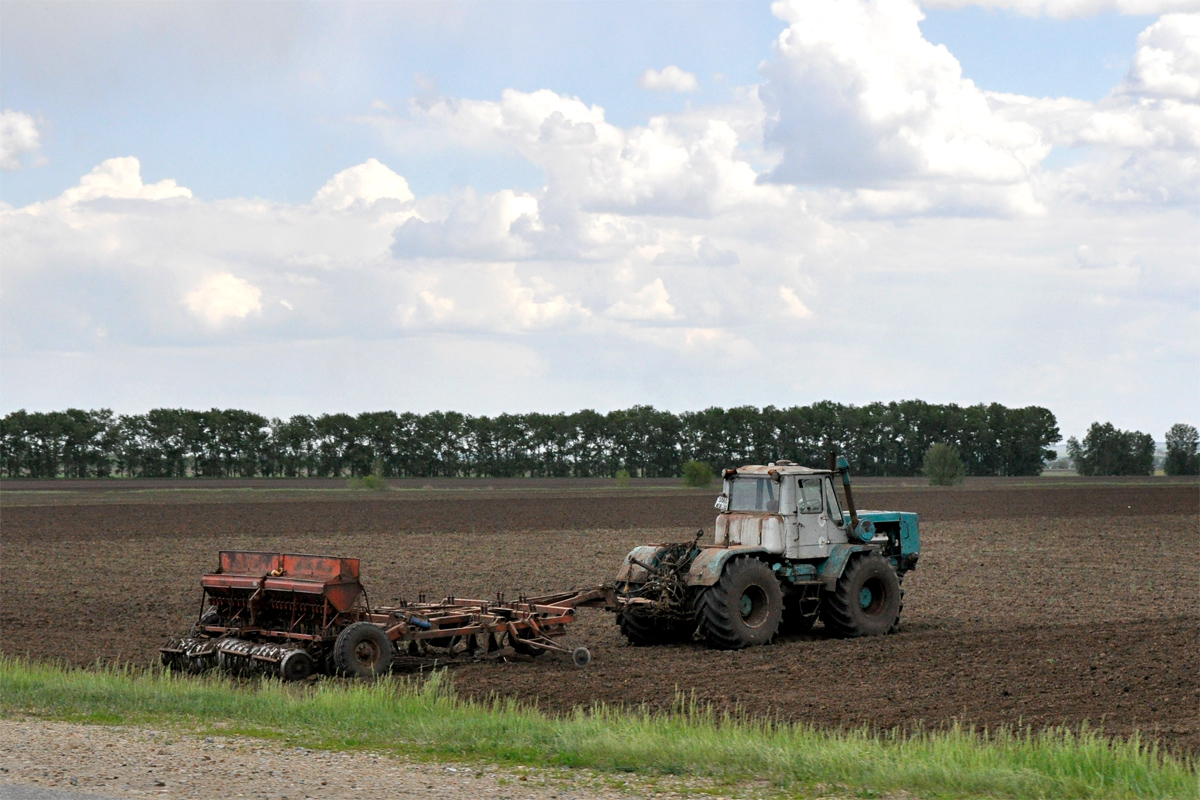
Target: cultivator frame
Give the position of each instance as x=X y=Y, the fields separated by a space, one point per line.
x=292 y=615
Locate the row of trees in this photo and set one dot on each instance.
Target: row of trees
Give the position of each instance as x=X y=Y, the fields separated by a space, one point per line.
x=1107 y=450
x=879 y=439
x=1183 y=450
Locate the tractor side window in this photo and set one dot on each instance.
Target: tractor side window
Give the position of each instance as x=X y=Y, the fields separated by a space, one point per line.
x=810 y=496
x=832 y=507
x=752 y=494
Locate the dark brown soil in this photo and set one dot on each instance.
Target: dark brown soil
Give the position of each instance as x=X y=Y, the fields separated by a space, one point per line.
x=1036 y=606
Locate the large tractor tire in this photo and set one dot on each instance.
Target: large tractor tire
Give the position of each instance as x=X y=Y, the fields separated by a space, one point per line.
x=866 y=600
x=362 y=650
x=744 y=608
x=648 y=630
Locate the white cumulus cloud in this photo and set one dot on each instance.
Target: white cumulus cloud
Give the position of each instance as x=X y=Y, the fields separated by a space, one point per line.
x=484 y=297
x=794 y=305
x=364 y=185
x=1143 y=140
x=595 y=166
x=500 y=225
x=121 y=178
x=1065 y=9
x=696 y=250
x=1167 y=62
x=565 y=285
x=670 y=79
x=648 y=303
x=857 y=98
x=223 y=296
x=19 y=136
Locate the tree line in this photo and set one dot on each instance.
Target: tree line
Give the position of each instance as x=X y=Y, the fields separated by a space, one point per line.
x=879 y=439
x=1107 y=450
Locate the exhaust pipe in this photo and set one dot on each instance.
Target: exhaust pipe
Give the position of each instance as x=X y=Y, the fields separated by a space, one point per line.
x=839 y=464
x=843 y=467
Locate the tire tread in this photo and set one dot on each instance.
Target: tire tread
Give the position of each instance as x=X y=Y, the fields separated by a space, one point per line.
x=837 y=606
x=716 y=608
x=343 y=648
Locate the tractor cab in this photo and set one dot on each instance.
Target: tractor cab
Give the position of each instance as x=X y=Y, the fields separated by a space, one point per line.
x=787 y=509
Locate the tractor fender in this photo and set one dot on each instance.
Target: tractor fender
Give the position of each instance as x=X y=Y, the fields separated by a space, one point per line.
x=832 y=567
x=707 y=567
x=631 y=572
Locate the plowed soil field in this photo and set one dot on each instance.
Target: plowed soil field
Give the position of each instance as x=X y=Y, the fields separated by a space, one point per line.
x=1031 y=606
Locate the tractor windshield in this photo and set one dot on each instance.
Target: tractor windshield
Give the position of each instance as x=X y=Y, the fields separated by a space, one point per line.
x=754 y=494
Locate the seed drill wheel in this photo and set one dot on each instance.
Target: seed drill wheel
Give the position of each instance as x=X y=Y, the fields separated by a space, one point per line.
x=646 y=629
x=866 y=601
x=296 y=666
x=581 y=657
x=362 y=650
x=742 y=609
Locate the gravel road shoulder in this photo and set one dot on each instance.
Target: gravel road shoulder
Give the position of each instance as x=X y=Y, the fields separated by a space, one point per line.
x=118 y=763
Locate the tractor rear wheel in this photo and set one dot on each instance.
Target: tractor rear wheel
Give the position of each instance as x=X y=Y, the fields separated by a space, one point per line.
x=742 y=609
x=362 y=650
x=644 y=629
x=866 y=600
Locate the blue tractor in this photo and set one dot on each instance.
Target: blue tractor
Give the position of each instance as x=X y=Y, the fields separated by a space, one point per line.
x=785 y=555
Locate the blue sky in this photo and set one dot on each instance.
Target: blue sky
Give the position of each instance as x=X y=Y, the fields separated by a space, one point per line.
x=1022 y=203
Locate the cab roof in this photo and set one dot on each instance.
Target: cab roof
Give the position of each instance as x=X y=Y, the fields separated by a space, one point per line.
x=778 y=468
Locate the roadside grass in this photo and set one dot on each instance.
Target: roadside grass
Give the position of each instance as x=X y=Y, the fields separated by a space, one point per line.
x=426 y=719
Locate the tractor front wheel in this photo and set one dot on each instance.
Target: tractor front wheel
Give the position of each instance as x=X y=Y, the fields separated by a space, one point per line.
x=362 y=650
x=866 y=600
x=742 y=609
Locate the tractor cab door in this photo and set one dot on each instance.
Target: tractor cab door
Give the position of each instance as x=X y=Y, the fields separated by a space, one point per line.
x=813 y=528
x=820 y=521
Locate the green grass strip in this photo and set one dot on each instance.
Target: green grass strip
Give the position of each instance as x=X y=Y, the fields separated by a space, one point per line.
x=427 y=719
